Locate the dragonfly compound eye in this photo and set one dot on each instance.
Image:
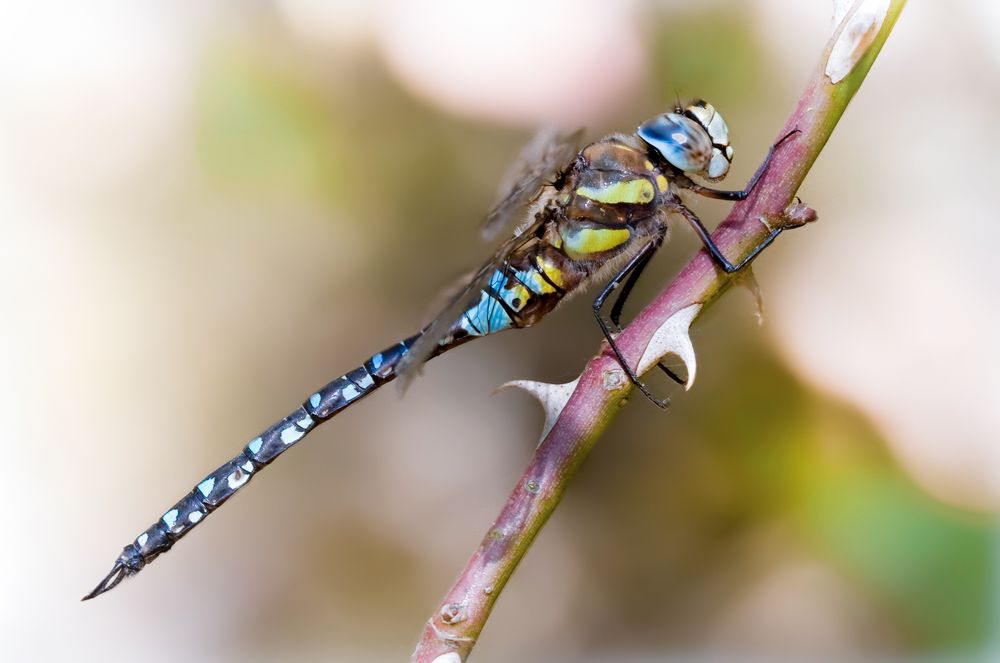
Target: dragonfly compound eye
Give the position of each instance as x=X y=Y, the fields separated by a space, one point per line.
x=711 y=121
x=679 y=139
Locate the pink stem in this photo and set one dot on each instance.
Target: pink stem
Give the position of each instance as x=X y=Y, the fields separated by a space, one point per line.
x=451 y=632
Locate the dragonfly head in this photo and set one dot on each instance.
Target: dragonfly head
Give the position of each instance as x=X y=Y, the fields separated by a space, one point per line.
x=694 y=139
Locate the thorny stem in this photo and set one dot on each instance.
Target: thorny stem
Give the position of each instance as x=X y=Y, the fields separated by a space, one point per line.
x=451 y=632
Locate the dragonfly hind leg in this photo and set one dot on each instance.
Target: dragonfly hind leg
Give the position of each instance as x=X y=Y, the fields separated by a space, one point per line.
x=637 y=262
x=616 y=308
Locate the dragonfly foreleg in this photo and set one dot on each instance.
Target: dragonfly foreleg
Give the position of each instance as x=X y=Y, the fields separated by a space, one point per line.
x=734 y=196
x=637 y=262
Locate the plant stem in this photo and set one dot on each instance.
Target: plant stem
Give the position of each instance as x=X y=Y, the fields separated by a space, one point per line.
x=451 y=632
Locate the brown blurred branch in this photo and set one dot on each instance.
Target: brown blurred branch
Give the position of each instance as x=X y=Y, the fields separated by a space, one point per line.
x=578 y=413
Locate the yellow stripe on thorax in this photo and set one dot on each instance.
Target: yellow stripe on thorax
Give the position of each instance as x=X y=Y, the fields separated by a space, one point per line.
x=585 y=242
x=635 y=192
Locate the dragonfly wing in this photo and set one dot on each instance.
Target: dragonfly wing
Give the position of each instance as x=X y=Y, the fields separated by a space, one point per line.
x=441 y=326
x=538 y=164
x=540 y=161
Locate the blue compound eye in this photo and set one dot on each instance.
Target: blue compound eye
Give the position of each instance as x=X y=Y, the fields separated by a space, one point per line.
x=711 y=121
x=680 y=140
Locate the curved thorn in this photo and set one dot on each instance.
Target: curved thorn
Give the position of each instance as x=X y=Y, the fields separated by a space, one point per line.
x=672 y=338
x=553 y=398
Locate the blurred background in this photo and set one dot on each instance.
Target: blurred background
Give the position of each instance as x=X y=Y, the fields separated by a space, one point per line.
x=209 y=209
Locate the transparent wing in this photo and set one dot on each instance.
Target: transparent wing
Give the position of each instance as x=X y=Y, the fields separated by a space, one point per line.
x=537 y=165
x=539 y=162
x=468 y=295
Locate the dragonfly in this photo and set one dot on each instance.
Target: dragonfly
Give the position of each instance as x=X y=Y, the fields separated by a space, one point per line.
x=581 y=216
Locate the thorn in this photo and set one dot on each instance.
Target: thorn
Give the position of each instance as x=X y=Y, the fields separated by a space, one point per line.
x=749 y=281
x=553 y=398
x=673 y=337
x=855 y=32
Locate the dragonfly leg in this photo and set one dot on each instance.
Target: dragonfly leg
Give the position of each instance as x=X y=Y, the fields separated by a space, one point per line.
x=636 y=261
x=616 y=308
x=633 y=277
x=709 y=192
x=713 y=249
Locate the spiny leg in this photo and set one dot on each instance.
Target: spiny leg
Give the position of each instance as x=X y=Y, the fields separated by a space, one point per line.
x=612 y=285
x=616 y=308
x=733 y=196
x=713 y=249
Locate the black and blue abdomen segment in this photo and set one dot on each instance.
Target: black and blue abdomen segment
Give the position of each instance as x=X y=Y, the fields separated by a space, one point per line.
x=229 y=477
x=517 y=295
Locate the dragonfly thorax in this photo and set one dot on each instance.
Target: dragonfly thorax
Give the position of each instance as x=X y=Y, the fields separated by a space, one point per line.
x=693 y=139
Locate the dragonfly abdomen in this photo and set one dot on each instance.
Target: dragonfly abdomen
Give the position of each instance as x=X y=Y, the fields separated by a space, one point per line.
x=228 y=478
x=520 y=292
x=499 y=307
